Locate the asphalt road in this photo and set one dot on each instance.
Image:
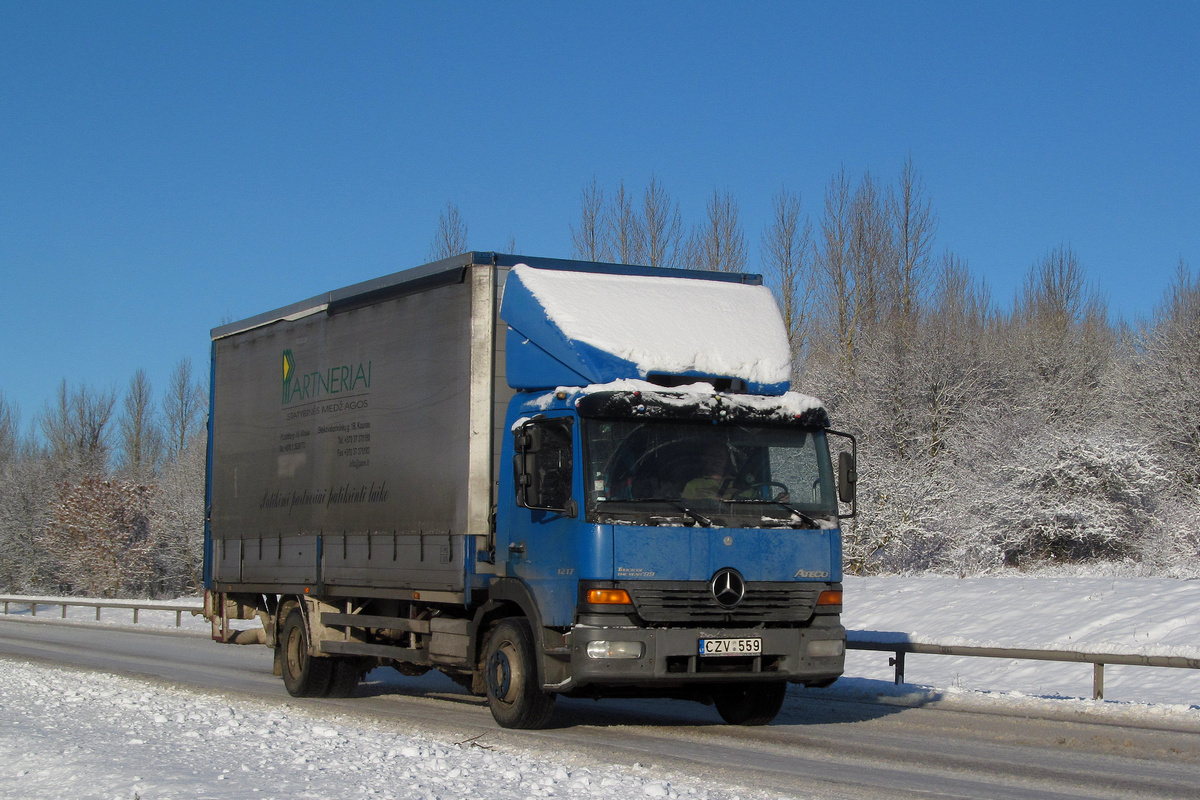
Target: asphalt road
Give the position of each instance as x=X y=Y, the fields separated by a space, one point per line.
x=818 y=747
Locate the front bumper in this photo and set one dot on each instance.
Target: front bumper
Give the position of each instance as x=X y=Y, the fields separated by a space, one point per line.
x=670 y=656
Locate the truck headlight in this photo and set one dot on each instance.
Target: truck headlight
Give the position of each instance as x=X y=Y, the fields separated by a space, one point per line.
x=603 y=649
x=826 y=648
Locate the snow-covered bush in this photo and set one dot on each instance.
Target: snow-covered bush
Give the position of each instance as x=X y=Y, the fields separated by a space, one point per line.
x=102 y=535
x=1065 y=498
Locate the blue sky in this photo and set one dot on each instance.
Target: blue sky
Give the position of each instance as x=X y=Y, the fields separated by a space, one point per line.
x=165 y=167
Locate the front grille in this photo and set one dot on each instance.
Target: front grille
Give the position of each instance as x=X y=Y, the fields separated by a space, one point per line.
x=693 y=603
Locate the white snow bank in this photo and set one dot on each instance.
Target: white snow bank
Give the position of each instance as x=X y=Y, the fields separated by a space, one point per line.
x=1149 y=616
x=672 y=325
x=82 y=735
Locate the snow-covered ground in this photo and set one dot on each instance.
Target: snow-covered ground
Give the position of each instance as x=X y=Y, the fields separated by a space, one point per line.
x=75 y=735
x=1150 y=616
x=65 y=733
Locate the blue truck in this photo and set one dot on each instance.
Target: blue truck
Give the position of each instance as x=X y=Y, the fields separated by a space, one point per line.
x=539 y=476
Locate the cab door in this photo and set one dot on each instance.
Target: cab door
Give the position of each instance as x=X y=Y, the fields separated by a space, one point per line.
x=549 y=547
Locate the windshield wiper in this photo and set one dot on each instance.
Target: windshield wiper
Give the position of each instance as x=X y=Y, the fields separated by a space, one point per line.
x=702 y=520
x=805 y=518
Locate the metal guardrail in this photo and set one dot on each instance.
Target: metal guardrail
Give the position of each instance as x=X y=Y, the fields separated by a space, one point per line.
x=32 y=604
x=858 y=640
x=1098 y=660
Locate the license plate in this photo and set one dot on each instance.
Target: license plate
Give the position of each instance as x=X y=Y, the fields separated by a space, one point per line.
x=730 y=647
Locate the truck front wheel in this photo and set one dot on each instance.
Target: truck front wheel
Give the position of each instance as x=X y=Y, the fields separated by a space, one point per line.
x=303 y=675
x=750 y=703
x=510 y=673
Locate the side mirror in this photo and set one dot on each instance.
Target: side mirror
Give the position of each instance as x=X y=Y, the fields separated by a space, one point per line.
x=542 y=466
x=847 y=473
x=522 y=480
x=847 y=477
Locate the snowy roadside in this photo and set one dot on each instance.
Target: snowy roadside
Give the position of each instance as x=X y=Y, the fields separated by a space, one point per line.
x=66 y=733
x=1097 y=614
x=82 y=735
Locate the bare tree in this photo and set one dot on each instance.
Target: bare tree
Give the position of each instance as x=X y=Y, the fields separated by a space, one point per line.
x=139 y=436
x=626 y=242
x=916 y=225
x=1055 y=295
x=662 y=225
x=870 y=253
x=951 y=366
x=183 y=409
x=718 y=244
x=787 y=246
x=1062 y=336
x=450 y=238
x=9 y=432
x=589 y=239
x=833 y=258
x=76 y=427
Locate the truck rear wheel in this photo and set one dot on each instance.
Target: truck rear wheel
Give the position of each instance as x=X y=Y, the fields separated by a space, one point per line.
x=510 y=673
x=303 y=675
x=750 y=703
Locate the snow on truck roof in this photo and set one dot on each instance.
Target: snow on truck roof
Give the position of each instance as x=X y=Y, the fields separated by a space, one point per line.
x=603 y=327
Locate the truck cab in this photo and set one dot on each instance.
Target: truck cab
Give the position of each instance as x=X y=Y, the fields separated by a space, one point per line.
x=680 y=540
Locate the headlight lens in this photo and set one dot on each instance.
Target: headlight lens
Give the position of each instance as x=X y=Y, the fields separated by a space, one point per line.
x=826 y=648
x=603 y=649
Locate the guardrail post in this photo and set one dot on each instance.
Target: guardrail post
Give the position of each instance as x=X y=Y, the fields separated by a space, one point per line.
x=64 y=616
x=1097 y=681
x=135 y=610
x=179 y=619
x=98 y=613
x=33 y=609
x=898 y=663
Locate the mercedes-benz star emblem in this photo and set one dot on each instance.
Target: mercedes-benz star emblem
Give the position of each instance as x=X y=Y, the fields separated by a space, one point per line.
x=728 y=587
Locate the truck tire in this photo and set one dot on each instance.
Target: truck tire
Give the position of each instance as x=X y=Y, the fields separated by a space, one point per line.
x=750 y=703
x=510 y=673
x=303 y=675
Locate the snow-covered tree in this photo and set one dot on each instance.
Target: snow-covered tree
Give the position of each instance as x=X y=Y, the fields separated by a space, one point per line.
x=178 y=520
x=1163 y=370
x=1065 y=498
x=101 y=533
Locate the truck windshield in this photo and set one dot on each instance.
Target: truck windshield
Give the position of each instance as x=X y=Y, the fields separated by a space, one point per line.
x=665 y=472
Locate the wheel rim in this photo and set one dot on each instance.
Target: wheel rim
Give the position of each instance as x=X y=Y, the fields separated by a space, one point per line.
x=295 y=654
x=504 y=673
